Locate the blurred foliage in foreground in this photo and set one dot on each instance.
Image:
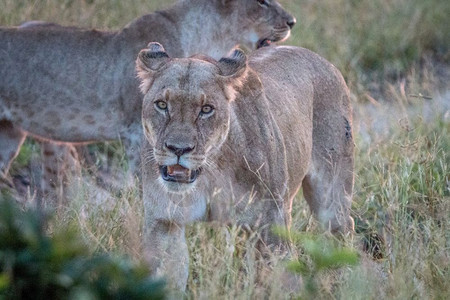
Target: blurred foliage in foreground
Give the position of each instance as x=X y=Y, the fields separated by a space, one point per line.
x=34 y=265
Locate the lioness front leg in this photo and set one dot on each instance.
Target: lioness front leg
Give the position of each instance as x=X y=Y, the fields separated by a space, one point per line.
x=271 y=248
x=166 y=251
x=11 y=138
x=268 y=215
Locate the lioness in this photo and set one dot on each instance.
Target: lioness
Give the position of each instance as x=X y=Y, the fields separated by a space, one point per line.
x=234 y=141
x=74 y=85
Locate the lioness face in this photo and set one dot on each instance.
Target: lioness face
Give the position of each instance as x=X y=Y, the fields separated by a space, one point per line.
x=184 y=121
x=186 y=114
x=268 y=21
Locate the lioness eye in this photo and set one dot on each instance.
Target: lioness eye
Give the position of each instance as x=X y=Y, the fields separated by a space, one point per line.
x=161 y=105
x=206 y=110
x=263 y=3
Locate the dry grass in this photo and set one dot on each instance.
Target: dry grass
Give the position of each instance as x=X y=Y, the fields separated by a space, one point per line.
x=392 y=53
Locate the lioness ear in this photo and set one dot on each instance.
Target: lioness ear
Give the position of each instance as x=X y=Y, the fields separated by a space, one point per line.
x=149 y=61
x=233 y=65
x=234 y=70
x=152 y=58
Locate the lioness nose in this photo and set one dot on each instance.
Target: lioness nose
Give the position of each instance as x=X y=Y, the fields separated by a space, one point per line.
x=179 y=151
x=291 y=22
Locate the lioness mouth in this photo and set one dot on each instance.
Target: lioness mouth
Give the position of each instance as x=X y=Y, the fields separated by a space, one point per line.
x=178 y=173
x=263 y=43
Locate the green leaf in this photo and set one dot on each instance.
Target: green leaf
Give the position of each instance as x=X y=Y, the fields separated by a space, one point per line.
x=298 y=267
x=4 y=281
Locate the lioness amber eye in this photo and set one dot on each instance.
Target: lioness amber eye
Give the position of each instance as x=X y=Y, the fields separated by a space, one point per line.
x=207 y=109
x=161 y=105
x=263 y=3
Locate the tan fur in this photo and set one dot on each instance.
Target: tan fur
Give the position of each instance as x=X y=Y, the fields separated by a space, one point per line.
x=77 y=86
x=287 y=125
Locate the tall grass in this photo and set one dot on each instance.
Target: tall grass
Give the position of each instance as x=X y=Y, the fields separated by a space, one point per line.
x=403 y=193
x=392 y=50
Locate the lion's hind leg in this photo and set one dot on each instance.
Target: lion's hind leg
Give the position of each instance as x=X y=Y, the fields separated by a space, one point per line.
x=328 y=189
x=328 y=184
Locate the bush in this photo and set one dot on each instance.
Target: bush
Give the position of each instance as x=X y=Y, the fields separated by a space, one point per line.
x=35 y=265
x=319 y=254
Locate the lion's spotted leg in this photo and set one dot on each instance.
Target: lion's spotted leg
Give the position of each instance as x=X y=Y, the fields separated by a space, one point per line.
x=11 y=138
x=132 y=142
x=328 y=191
x=166 y=251
x=59 y=166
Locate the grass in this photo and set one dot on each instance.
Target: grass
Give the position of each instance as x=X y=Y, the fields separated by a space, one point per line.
x=373 y=41
x=394 y=55
x=403 y=192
